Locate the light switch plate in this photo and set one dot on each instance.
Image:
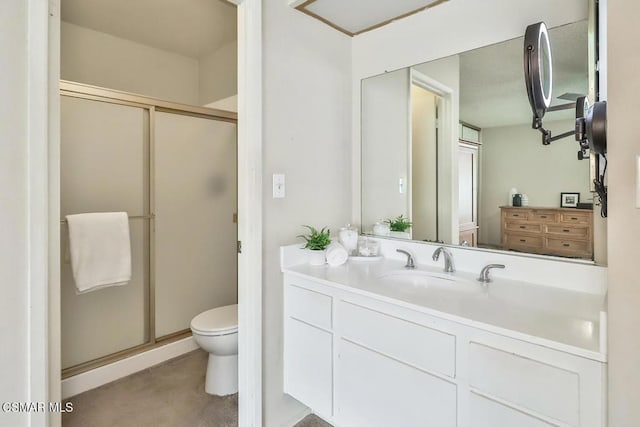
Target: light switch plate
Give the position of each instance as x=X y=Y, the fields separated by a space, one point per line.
x=278 y=186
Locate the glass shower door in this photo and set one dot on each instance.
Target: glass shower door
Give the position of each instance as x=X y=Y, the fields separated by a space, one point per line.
x=195 y=201
x=104 y=168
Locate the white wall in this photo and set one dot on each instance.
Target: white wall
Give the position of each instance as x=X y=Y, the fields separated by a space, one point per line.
x=218 y=74
x=385 y=127
x=100 y=59
x=306 y=135
x=514 y=157
x=624 y=217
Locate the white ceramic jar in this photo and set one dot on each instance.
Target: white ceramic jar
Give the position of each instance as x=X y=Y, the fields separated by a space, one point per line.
x=348 y=237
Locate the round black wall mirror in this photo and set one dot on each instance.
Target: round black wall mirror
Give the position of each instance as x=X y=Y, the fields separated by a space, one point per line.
x=538 y=71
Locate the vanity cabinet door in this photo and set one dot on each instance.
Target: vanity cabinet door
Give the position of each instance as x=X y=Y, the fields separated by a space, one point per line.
x=308 y=346
x=376 y=390
x=308 y=373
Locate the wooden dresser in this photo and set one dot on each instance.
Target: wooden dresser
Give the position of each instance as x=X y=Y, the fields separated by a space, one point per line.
x=551 y=231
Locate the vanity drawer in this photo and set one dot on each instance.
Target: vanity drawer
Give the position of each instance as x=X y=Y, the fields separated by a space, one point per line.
x=572 y=232
x=543 y=216
x=514 y=240
x=542 y=388
x=576 y=217
x=425 y=348
x=575 y=246
x=485 y=412
x=523 y=227
x=309 y=306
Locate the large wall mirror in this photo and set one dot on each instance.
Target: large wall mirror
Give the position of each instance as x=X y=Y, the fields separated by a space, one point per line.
x=446 y=144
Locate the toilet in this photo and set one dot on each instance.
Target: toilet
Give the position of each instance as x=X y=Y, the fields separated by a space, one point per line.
x=216 y=332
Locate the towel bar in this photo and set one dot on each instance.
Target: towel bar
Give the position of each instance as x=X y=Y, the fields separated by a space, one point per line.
x=151 y=216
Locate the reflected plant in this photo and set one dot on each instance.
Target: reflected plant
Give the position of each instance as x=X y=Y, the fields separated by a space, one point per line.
x=399 y=224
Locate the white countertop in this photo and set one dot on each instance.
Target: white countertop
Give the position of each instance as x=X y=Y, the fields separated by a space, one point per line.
x=557 y=318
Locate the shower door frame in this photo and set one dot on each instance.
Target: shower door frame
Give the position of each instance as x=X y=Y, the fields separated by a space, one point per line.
x=151 y=105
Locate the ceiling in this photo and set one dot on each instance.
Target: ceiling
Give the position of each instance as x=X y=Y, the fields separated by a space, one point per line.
x=492 y=89
x=357 y=16
x=187 y=27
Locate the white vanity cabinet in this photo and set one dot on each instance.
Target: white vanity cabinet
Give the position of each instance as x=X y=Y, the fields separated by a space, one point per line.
x=360 y=360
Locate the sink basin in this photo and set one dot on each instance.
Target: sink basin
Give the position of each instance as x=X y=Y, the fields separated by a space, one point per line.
x=429 y=279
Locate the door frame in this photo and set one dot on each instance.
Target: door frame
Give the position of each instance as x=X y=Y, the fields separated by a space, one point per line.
x=447 y=153
x=44 y=169
x=249 y=212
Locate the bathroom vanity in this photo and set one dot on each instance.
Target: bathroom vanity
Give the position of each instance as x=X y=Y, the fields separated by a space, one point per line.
x=375 y=344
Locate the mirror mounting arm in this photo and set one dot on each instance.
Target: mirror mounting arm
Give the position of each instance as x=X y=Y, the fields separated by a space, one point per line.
x=546 y=134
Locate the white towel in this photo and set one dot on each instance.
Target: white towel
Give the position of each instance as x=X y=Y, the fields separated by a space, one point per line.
x=336 y=254
x=100 y=250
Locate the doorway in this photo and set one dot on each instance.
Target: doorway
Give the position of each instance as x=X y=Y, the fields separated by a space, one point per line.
x=424 y=163
x=249 y=15
x=433 y=188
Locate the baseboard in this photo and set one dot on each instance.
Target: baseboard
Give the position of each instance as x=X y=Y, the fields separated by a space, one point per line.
x=105 y=374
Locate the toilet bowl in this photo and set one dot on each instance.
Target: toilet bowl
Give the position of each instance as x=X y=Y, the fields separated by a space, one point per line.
x=216 y=332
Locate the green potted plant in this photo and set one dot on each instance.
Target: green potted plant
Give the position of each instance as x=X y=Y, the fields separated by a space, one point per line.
x=316 y=243
x=399 y=227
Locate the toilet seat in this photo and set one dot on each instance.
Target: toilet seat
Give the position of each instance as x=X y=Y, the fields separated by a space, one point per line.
x=217 y=321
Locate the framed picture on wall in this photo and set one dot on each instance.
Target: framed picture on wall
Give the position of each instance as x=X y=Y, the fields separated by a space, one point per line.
x=569 y=200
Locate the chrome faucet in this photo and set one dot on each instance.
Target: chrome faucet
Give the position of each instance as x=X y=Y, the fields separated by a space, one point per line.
x=484 y=274
x=410 y=264
x=448 y=259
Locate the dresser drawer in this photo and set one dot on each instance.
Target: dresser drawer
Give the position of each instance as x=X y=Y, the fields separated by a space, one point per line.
x=543 y=216
x=516 y=214
x=566 y=245
x=576 y=217
x=520 y=227
x=309 y=306
x=571 y=232
x=425 y=348
x=520 y=240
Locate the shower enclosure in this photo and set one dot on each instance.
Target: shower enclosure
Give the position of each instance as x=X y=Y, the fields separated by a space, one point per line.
x=172 y=168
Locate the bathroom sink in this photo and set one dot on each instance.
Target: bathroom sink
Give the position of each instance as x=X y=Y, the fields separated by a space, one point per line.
x=429 y=279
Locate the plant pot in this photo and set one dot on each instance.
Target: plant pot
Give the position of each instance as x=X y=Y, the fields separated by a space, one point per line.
x=316 y=257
